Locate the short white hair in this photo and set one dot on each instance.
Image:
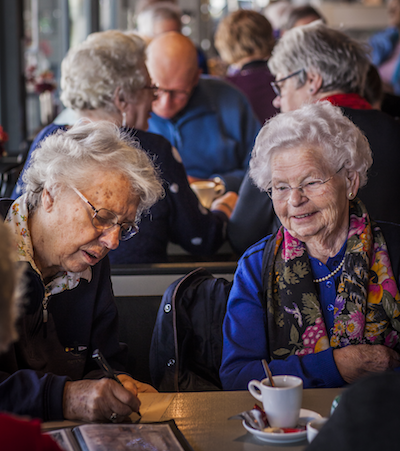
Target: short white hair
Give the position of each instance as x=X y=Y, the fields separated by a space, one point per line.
x=11 y=288
x=93 y=70
x=341 y=61
x=320 y=126
x=72 y=157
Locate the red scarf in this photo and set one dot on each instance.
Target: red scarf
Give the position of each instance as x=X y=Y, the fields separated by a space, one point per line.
x=350 y=100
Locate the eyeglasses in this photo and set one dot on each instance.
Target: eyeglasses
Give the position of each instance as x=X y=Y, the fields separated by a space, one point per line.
x=154 y=88
x=308 y=189
x=104 y=219
x=176 y=94
x=275 y=84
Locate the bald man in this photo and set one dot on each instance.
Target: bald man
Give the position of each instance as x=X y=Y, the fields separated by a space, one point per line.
x=209 y=121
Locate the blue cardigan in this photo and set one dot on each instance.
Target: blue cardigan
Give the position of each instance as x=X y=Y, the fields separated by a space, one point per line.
x=214 y=133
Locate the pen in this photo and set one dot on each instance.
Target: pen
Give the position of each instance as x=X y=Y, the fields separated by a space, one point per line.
x=107 y=370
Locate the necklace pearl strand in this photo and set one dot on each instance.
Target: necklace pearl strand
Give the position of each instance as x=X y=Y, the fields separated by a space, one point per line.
x=322 y=279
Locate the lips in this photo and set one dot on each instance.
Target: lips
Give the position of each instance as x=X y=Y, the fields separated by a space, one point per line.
x=91 y=257
x=303 y=216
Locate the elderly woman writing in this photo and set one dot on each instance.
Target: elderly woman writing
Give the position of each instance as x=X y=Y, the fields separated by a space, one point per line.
x=105 y=78
x=85 y=191
x=319 y=299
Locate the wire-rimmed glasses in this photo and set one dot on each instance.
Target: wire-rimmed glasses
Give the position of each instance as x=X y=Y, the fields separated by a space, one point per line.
x=275 y=84
x=310 y=188
x=104 y=219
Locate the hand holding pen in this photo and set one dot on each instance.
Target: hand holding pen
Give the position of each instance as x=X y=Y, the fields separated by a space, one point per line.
x=109 y=373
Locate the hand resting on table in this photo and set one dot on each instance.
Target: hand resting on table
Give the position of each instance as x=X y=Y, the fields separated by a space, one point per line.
x=355 y=361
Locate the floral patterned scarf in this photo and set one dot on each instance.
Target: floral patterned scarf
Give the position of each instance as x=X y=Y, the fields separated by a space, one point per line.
x=367 y=305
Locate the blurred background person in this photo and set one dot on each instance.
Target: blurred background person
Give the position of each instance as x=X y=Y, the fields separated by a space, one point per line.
x=105 y=78
x=17 y=434
x=162 y=17
x=386 y=49
x=208 y=120
x=302 y=15
x=312 y=299
x=85 y=191
x=277 y=13
x=244 y=41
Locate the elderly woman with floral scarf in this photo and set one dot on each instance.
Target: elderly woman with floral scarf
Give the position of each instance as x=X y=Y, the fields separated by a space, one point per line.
x=319 y=299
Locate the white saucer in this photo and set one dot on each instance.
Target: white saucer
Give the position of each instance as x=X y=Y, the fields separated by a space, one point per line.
x=288 y=437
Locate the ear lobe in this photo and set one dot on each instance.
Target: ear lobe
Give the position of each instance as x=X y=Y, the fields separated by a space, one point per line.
x=352 y=182
x=314 y=81
x=119 y=99
x=47 y=201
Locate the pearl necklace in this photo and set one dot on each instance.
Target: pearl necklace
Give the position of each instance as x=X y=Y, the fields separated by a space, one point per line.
x=322 y=279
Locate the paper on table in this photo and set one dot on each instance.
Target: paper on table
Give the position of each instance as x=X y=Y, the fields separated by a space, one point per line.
x=154 y=405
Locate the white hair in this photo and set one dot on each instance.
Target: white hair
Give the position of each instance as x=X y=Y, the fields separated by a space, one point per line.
x=341 y=61
x=320 y=126
x=73 y=157
x=93 y=70
x=10 y=289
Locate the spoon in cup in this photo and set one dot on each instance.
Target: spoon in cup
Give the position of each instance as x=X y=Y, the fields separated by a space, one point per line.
x=268 y=372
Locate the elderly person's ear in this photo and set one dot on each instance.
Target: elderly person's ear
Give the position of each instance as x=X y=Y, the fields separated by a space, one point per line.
x=314 y=82
x=120 y=100
x=352 y=183
x=47 y=200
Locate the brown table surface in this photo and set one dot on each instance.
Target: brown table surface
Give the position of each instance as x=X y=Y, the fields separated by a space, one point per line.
x=203 y=417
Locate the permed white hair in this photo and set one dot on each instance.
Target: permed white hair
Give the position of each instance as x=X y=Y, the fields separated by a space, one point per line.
x=341 y=61
x=93 y=70
x=320 y=126
x=73 y=157
x=10 y=289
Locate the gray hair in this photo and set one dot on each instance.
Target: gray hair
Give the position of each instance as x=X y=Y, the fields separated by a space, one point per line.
x=94 y=69
x=341 y=61
x=159 y=11
x=10 y=289
x=318 y=126
x=72 y=157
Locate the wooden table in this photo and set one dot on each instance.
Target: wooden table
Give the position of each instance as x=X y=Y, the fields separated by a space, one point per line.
x=203 y=417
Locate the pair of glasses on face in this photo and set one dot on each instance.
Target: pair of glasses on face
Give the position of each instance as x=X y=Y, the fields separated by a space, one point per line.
x=275 y=84
x=175 y=94
x=308 y=189
x=104 y=219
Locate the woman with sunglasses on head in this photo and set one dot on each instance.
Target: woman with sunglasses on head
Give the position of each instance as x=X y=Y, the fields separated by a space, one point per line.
x=85 y=190
x=105 y=78
x=320 y=298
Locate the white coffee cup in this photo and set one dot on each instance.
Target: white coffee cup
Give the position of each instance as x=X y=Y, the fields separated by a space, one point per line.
x=281 y=403
x=207 y=191
x=314 y=426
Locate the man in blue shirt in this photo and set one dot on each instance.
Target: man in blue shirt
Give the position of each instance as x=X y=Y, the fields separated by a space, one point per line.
x=209 y=121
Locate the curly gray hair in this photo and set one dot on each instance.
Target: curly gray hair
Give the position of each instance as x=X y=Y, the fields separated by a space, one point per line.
x=11 y=289
x=318 y=126
x=93 y=70
x=341 y=61
x=70 y=158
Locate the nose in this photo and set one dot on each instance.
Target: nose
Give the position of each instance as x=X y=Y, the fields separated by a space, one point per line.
x=296 y=197
x=110 y=237
x=277 y=102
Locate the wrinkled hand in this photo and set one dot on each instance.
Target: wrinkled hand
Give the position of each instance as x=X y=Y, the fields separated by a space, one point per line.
x=95 y=400
x=225 y=203
x=135 y=386
x=355 y=361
